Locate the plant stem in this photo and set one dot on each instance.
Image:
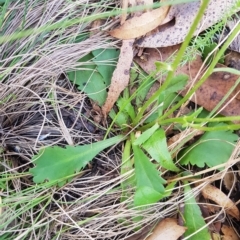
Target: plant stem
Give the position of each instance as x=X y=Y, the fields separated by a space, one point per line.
x=205 y=75
x=175 y=63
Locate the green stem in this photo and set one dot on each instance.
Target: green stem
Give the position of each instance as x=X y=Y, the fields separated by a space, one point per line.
x=217 y=128
x=205 y=75
x=187 y=120
x=175 y=63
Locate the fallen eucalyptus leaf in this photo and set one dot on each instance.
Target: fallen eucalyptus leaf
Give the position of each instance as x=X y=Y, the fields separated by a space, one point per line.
x=167 y=229
x=140 y=25
x=184 y=15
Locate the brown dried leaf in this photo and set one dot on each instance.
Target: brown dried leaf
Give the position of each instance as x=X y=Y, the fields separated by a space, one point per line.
x=211 y=92
x=167 y=229
x=132 y=3
x=214 y=90
x=229 y=180
x=212 y=193
x=184 y=15
x=229 y=233
x=120 y=76
x=140 y=25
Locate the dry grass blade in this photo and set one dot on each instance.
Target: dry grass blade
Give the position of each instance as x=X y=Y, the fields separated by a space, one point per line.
x=212 y=193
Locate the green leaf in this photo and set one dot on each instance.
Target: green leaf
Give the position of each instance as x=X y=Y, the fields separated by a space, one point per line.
x=212 y=149
x=105 y=60
x=134 y=72
x=146 y=174
x=146 y=135
x=207 y=50
x=161 y=66
x=177 y=83
x=89 y=80
x=94 y=75
x=56 y=163
x=193 y=216
x=167 y=97
x=126 y=166
x=145 y=83
x=169 y=100
x=169 y=189
x=157 y=147
x=121 y=120
x=146 y=195
x=81 y=37
x=126 y=107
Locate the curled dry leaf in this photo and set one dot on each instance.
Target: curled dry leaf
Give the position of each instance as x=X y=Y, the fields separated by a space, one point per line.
x=132 y=3
x=211 y=92
x=184 y=15
x=120 y=76
x=140 y=25
x=229 y=180
x=229 y=233
x=167 y=229
x=216 y=195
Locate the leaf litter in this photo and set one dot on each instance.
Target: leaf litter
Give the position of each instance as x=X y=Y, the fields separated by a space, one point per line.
x=213 y=90
x=140 y=25
x=135 y=27
x=120 y=77
x=184 y=15
x=167 y=229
